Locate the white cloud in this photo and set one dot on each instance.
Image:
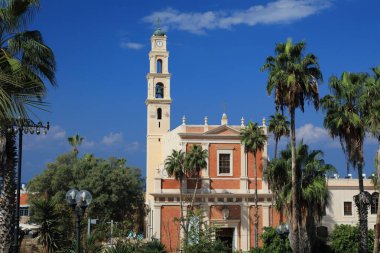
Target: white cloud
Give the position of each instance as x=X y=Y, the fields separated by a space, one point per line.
x=133 y=146
x=312 y=134
x=131 y=45
x=276 y=12
x=88 y=144
x=112 y=139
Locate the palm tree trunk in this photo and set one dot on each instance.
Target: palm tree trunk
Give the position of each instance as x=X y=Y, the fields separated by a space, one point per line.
x=181 y=225
x=295 y=209
x=377 y=227
x=362 y=208
x=7 y=197
x=256 y=207
x=275 y=148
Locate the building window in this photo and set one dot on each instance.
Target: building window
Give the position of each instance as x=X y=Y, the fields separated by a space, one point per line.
x=159 y=66
x=224 y=162
x=374 y=202
x=24 y=211
x=347 y=208
x=159 y=90
x=159 y=113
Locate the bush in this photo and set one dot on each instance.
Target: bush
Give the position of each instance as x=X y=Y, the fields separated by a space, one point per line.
x=345 y=238
x=273 y=242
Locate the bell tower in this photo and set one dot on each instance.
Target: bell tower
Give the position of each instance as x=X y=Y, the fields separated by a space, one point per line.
x=158 y=106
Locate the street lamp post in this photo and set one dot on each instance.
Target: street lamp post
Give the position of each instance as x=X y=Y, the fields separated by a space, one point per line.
x=79 y=201
x=283 y=231
x=22 y=126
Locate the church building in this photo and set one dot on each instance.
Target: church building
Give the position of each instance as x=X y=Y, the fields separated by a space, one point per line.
x=226 y=195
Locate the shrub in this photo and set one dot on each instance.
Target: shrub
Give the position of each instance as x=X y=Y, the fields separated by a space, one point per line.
x=345 y=238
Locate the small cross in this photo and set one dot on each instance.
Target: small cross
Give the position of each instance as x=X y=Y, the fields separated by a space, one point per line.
x=158 y=23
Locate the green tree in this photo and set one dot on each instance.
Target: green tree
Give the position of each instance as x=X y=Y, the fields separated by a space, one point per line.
x=75 y=141
x=346 y=238
x=314 y=195
x=254 y=139
x=117 y=189
x=7 y=196
x=175 y=165
x=346 y=110
x=202 y=236
x=279 y=126
x=196 y=161
x=293 y=79
x=45 y=214
x=274 y=242
x=26 y=64
x=372 y=121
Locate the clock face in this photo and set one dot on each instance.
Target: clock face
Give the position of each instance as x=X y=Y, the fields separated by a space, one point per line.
x=159 y=43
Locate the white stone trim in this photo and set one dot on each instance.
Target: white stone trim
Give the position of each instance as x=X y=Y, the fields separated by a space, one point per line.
x=225 y=151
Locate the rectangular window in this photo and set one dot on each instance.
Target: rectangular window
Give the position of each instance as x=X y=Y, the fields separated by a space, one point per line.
x=24 y=211
x=374 y=205
x=347 y=208
x=224 y=162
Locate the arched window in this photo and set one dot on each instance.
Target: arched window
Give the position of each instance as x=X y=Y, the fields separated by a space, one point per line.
x=159 y=90
x=159 y=113
x=159 y=66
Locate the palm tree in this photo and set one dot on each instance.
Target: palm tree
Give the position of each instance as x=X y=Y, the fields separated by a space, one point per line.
x=175 y=165
x=8 y=188
x=75 y=141
x=293 y=79
x=254 y=140
x=346 y=109
x=279 y=126
x=46 y=215
x=372 y=121
x=196 y=160
x=26 y=64
x=314 y=195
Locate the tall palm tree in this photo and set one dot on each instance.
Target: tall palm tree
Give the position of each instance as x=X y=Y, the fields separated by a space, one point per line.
x=254 y=140
x=8 y=188
x=346 y=110
x=372 y=121
x=196 y=160
x=75 y=141
x=279 y=126
x=175 y=165
x=26 y=64
x=46 y=215
x=314 y=195
x=293 y=79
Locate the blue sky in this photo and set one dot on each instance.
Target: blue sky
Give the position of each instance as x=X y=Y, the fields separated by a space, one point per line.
x=216 y=50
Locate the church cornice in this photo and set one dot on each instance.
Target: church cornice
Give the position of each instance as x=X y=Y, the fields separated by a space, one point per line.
x=155 y=75
x=158 y=101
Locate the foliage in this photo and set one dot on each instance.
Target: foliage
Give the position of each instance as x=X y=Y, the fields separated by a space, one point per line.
x=293 y=79
x=183 y=165
x=117 y=189
x=279 y=126
x=314 y=195
x=201 y=236
x=347 y=111
x=254 y=139
x=273 y=242
x=46 y=214
x=345 y=238
x=75 y=141
x=136 y=246
x=25 y=61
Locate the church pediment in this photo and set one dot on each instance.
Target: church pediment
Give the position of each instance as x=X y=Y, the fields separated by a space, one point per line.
x=222 y=130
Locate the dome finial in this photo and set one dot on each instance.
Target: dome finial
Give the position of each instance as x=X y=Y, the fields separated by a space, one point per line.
x=158 y=31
